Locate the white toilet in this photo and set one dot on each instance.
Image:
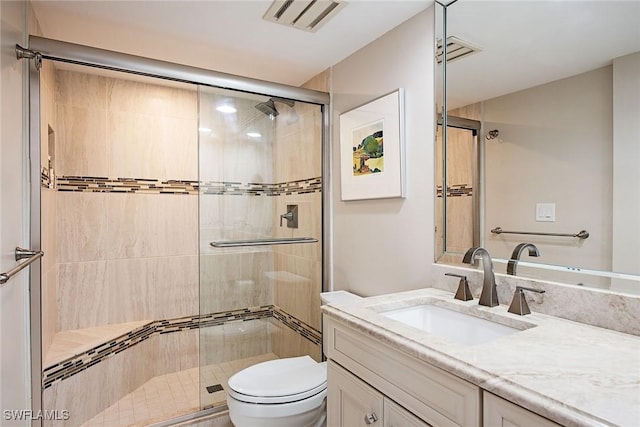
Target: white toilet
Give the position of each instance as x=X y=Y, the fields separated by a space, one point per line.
x=279 y=393
x=288 y=392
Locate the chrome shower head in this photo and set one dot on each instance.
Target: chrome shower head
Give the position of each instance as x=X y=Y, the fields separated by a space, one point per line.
x=268 y=108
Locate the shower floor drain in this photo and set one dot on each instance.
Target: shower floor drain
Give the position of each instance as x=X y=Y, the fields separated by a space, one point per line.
x=214 y=388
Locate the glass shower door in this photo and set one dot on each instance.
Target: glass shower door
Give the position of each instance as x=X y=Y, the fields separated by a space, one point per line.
x=260 y=163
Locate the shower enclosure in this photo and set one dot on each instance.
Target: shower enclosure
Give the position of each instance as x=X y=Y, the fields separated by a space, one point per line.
x=181 y=215
x=260 y=233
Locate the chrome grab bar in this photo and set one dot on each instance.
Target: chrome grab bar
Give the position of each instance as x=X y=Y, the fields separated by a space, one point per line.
x=262 y=242
x=582 y=234
x=21 y=253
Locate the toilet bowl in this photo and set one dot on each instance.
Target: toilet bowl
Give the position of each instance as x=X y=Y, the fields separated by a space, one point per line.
x=288 y=392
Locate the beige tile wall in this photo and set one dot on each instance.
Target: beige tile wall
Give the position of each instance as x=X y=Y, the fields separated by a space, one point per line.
x=122 y=255
x=127 y=257
x=49 y=310
x=108 y=126
x=235 y=340
x=235 y=278
x=226 y=152
x=297 y=277
x=91 y=391
x=288 y=343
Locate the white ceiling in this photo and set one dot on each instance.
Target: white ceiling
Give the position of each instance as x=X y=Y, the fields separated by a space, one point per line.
x=524 y=42
x=228 y=36
x=528 y=43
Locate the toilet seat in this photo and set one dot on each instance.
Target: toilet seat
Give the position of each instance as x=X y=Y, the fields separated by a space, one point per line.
x=279 y=381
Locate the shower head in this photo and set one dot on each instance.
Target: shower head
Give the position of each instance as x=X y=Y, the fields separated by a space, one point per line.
x=268 y=108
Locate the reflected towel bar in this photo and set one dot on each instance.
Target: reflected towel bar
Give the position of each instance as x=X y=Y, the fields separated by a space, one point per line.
x=262 y=242
x=21 y=254
x=582 y=234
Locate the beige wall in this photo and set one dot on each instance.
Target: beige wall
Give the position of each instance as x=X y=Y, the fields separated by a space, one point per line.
x=382 y=246
x=626 y=173
x=555 y=146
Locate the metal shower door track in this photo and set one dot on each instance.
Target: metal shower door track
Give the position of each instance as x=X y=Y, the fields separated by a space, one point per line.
x=84 y=55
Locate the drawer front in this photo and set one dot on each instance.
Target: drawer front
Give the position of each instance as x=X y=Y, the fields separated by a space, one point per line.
x=432 y=394
x=502 y=413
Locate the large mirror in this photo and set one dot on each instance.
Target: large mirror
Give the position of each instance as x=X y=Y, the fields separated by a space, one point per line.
x=541 y=138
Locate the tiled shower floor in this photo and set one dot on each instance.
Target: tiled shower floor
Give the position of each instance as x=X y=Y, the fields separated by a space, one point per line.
x=168 y=396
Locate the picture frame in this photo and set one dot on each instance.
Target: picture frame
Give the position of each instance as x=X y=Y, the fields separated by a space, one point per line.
x=372 y=149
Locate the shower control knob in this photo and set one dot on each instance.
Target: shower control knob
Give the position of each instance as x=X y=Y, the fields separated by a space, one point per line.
x=370 y=418
x=288 y=216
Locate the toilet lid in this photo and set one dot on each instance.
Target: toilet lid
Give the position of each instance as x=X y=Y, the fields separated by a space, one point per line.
x=289 y=377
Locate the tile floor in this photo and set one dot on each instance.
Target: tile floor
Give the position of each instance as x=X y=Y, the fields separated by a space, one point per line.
x=171 y=395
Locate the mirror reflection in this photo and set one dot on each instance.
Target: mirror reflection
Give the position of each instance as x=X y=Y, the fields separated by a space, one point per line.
x=544 y=97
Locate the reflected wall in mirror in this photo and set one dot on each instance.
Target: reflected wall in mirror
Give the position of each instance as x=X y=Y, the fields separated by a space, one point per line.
x=560 y=83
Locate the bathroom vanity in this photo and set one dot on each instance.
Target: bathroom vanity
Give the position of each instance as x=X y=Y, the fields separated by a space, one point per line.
x=388 y=367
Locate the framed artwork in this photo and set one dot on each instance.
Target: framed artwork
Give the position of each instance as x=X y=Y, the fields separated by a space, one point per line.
x=372 y=149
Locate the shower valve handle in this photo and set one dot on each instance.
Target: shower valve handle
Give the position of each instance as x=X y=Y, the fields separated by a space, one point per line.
x=291 y=216
x=288 y=216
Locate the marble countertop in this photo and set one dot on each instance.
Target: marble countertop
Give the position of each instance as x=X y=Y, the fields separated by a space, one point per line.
x=569 y=372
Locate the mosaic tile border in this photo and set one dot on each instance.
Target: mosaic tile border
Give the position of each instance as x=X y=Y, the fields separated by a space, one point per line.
x=94 y=184
x=301 y=186
x=75 y=364
x=45 y=179
x=97 y=184
x=458 y=190
x=298 y=325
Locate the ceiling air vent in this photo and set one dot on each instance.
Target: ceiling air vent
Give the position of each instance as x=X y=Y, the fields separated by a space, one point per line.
x=456 y=49
x=308 y=15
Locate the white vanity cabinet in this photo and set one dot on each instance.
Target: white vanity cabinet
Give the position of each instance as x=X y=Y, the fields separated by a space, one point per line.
x=372 y=376
x=500 y=412
x=353 y=403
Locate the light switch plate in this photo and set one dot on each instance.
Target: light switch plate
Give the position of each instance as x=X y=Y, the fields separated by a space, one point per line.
x=545 y=212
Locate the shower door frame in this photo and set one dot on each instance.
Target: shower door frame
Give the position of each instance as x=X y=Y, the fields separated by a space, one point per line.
x=477 y=153
x=55 y=50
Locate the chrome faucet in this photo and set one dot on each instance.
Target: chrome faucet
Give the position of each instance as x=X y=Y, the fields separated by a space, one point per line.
x=489 y=295
x=517 y=252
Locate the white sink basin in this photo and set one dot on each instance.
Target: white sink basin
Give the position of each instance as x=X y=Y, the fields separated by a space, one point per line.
x=451 y=325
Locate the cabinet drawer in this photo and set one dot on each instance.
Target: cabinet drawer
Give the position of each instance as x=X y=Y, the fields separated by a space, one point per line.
x=432 y=394
x=499 y=412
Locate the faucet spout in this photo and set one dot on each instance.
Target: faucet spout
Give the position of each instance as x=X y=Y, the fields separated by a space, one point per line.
x=517 y=252
x=489 y=295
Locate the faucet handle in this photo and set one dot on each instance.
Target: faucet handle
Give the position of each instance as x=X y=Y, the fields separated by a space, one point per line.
x=519 y=303
x=463 y=293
